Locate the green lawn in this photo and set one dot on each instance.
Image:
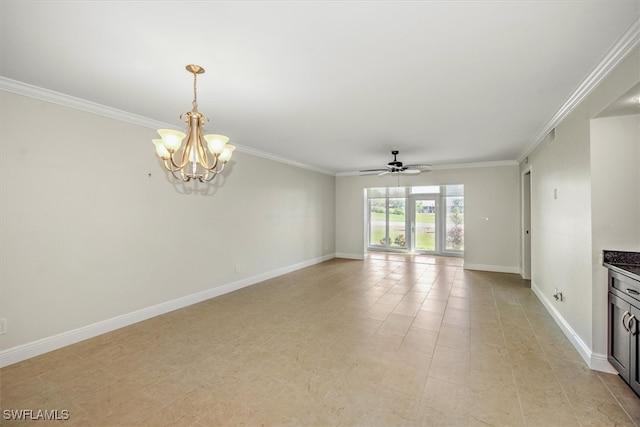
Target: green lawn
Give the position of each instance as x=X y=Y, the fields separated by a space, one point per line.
x=376 y=216
x=426 y=241
x=429 y=218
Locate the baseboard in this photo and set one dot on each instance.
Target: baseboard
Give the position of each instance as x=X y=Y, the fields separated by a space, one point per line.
x=349 y=256
x=595 y=361
x=494 y=268
x=600 y=362
x=45 y=345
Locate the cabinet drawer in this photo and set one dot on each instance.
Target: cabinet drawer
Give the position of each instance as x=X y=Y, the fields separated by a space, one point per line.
x=624 y=287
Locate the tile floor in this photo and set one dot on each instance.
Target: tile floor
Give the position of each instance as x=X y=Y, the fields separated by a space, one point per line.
x=393 y=340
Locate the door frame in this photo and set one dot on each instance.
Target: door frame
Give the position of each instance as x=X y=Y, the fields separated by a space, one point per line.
x=437 y=220
x=526 y=186
x=387 y=247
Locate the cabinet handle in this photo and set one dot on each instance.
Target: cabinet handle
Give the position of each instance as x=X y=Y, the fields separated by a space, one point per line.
x=624 y=323
x=630 y=323
x=632 y=291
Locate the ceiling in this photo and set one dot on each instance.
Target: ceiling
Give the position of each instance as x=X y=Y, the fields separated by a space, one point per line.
x=334 y=85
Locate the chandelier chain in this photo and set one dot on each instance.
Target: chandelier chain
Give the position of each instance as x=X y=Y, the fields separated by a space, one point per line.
x=195 y=92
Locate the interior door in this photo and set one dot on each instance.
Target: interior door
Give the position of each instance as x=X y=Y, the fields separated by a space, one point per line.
x=424 y=224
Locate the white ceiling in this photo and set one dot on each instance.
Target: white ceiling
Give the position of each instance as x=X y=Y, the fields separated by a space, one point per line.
x=334 y=85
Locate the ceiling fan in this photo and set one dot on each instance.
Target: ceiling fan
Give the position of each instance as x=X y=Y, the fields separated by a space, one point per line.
x=397 y=166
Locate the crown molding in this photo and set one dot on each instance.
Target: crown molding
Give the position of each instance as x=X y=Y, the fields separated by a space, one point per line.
x=269 y=156
x=20 y=88
x=58 y=98
x=449 y=166
x=618 y=51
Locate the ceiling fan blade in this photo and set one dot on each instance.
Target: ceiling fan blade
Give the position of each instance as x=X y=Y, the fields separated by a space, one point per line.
x=411 y=171
x=384 y=173
x=374 y=170
x=419 y=166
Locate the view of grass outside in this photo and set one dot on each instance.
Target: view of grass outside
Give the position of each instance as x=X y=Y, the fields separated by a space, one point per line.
x=455 y=223
x=378 y=221
x=426 y=232
x=388 y=210
x=425 y=229
x=396 y=229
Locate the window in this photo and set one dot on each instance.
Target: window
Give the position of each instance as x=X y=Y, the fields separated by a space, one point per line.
x=454 y=222
x=387 y=213
x=425 y=219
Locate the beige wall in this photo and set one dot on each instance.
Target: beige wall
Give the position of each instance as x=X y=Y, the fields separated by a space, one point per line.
x=564 y=246
x=92 y=229
x=615 y=203
x=492 y=212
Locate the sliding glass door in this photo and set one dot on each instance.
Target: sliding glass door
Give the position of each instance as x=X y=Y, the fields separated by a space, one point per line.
x=427 y=219
x=424 y=222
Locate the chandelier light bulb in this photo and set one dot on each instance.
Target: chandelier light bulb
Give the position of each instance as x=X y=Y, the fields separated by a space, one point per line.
x=226 y=153
x=171 y=139
x=216 y=143
x=161 y=150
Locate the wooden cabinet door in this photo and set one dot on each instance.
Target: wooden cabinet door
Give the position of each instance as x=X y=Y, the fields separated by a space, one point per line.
x=634 y=362
x=619 y=338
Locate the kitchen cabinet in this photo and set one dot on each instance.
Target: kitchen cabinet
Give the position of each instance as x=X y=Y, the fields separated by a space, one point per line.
x=624 y=327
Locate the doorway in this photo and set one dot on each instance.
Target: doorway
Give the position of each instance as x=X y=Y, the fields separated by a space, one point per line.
x=424 y=223
x=526 y=224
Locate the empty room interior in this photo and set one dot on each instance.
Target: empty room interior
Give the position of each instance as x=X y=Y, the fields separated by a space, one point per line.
x=266 y=213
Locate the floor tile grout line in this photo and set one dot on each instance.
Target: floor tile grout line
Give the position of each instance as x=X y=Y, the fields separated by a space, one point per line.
x=513 y=375
x=618 y=401
x=311 y=296
x=548 y=360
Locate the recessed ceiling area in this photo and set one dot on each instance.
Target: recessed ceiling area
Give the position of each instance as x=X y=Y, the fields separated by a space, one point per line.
x=626 y=105
x=332 y=85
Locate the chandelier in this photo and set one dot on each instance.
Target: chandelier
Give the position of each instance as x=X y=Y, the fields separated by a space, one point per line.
x=202 y=157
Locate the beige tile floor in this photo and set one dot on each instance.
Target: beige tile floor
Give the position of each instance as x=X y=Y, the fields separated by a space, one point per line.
x=392 y=340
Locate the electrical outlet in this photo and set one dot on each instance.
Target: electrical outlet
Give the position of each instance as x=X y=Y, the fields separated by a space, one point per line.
x=3 y=326
x=557 y=295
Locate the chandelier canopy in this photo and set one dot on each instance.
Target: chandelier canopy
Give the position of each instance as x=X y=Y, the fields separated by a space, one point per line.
x=202 y=157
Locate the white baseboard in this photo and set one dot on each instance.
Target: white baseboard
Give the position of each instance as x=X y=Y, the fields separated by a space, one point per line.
x=26 y=351
x=600 y=362
x=595 y=361
x=349 y=256
x=494 y=268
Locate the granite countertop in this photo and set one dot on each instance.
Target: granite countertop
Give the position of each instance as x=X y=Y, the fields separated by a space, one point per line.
x=627 y=263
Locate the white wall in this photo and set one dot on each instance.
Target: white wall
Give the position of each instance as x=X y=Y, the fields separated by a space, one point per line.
x=92 y=229
x=563 y=244
x=490 y=192
x=615 y=204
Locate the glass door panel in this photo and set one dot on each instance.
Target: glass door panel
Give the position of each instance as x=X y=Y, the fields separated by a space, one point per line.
x=397 y=223
x=378 y=222
x=425 y=225
x=455 y=223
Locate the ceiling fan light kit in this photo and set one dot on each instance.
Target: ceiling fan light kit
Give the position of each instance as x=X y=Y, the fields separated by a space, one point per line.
x=396 y=166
